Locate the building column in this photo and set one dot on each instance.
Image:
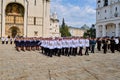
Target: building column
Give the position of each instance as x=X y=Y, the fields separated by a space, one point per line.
x=46 y=18
x=117 y=30
x=26 y=19
x=3 y=19
x=103 y=31
x=97 y=31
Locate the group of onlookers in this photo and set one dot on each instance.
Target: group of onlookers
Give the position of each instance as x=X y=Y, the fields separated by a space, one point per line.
x=112 y=44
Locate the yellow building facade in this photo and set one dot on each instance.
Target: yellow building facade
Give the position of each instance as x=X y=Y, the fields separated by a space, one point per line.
x=76 y=31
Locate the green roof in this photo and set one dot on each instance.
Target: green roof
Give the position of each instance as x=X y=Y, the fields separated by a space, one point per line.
x=85 y=27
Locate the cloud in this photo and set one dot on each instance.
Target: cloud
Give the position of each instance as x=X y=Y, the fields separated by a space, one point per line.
x=74 y=14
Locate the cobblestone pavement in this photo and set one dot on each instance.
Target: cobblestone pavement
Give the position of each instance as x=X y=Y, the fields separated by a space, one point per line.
x=35 y=66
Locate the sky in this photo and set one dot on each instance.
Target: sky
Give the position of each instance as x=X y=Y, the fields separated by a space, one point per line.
x=75 y=12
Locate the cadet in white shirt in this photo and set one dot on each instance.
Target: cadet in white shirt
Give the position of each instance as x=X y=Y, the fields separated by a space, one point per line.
x=71 y=46
x=3 y=40
x=6 y=39
x=55 y=50
x=74 y=47
x=87 y=46
x=51 y=47
x=63 y=46
x=80 y=46
x=59 y=47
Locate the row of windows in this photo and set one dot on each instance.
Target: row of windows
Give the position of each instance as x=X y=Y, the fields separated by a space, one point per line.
x=106 y=10
x=34 y=21
x=105 y=3
x=14 y=19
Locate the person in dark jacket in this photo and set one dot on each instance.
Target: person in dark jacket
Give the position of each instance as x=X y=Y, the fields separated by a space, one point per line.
x=112 y=44
x=93 y=42
x=119 y=45
x=99 y=42
x=104 y=45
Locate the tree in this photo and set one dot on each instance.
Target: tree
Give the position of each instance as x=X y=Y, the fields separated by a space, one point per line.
x=91 y=32
x=64 y=30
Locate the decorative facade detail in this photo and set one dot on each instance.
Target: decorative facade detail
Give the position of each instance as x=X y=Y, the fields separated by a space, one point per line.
x=25 y=18
x=108 y=18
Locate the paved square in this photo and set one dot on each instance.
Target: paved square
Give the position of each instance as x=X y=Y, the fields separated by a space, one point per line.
x=35 y=66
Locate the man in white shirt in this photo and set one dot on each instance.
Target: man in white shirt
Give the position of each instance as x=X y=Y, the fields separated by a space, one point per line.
x=87 y=46
x=80 y=46
x=6 y=39
x=2 y=39
x=59 y=47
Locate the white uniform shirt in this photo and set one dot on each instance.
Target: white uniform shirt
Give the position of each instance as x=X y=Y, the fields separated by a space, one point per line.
x=80 y=43
x=63 y=43
x=116 y=41
x=3 y=39
x=87 y=44
x=76 y=42
x=70 y=43
x=83 y=42
x=73 y=43
x=66 y=43
x=55 y=44
x=6 y=39
x=59 y=44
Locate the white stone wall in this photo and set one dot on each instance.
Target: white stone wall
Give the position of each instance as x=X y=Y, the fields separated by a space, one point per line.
x=107 y=11
x=35 y=10
x=108 y=17
x=54 y=28
x=39 y=10
x=0 y=17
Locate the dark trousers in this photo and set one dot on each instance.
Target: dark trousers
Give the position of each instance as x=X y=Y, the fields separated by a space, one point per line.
x=93 y=47
x=74 y=51
x=10 y=42
x=99 y=47
x=42 y=49
x=80 y=51
x=119 y=47
x=50 y=53
x=86 y=51
x=2 y=42
x=6 y=42
x=66 y=51
x=63 y=51
x=113 y=48
x=59 y=52
x=55 y=51
x=70 y=51
x=105 y=50
x=108 y=46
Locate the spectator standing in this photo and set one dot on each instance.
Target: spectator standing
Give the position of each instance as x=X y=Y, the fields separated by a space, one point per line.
x=93 y=43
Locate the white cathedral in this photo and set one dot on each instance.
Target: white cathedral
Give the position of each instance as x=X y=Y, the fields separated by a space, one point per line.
x=28 y=18
x=108 y=18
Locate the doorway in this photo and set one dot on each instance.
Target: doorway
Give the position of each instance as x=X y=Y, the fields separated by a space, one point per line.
x=14 y=32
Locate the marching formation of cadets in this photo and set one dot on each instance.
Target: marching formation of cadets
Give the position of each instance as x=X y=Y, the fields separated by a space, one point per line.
x=64 y=46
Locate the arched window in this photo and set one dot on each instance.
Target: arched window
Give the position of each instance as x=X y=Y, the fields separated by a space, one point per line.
x=14 y=9
x=105 y=2
x=98 y=1
x=115 y=8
